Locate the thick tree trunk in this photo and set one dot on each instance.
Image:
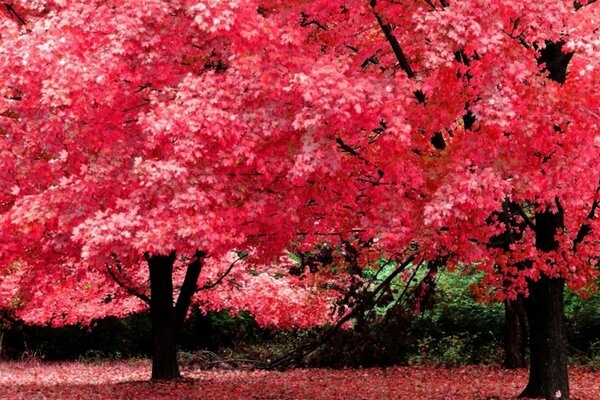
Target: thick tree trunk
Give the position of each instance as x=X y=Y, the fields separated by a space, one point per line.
x=162 y=313
x=548 y=377
x=515 y=333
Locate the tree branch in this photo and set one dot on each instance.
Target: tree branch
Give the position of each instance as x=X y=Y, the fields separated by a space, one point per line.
x=430 y=3
x=524 y=216
x=220 y=279
x=305 y=22
x=585 y=228
x=306 y=349
x=580 y=4
x=349 y=149
x=188 y=288
x=129 y=289
x=11 y=11
x=396 y=48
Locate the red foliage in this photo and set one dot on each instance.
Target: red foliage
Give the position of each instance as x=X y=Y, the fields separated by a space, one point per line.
x=128 y=380
x=129 y=127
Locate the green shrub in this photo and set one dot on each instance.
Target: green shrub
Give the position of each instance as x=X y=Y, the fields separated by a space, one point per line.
x=594 y=356
x=453 y=350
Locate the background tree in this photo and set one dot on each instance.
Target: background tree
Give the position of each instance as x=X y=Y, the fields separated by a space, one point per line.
x=493 y=104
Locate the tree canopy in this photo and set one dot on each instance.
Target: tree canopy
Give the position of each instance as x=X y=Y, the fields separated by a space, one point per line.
x=463 y=132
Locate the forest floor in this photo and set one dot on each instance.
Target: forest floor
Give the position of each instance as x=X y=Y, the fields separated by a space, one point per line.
x=130 y=380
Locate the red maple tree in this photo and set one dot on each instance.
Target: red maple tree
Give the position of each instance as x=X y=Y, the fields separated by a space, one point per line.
x=135 y=158
x=467 y=133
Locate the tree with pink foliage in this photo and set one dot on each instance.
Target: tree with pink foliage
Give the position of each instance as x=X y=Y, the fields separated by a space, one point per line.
x=136 y=154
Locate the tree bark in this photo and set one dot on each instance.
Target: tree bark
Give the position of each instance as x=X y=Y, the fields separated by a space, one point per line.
x=162 y=313
x=515 y=333
x=548 y=375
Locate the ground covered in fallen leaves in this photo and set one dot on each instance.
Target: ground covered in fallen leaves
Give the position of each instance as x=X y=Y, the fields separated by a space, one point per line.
x=130 y=380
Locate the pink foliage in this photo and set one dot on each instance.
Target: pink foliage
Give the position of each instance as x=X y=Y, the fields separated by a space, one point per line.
x=130 y=127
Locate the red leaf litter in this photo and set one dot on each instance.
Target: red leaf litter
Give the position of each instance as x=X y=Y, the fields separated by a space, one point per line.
x=130 y=380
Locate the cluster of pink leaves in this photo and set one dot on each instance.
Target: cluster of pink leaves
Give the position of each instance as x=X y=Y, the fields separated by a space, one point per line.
x=81 y=295
x=129 y=380
x=534 y=141
x=270 y=294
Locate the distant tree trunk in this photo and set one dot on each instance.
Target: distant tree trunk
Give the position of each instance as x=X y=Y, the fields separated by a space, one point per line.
x=162 y=313
x=515 y=333
x=548 y=375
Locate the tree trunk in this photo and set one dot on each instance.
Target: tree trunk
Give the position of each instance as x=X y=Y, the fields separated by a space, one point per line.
x=548 y=377
x=515 y=333
x=164 y=356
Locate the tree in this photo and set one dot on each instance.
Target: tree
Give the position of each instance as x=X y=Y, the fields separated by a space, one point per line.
x=493 y=104
x=515 y=333
x=130 y=134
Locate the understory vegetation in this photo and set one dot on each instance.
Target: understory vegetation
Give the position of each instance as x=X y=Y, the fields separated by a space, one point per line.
x=455 y=330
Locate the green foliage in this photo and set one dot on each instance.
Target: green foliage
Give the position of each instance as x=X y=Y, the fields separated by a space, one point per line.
x=594 y=360
x=450 y=351
x=458 y=329
x=457 y=311
x=455 y=349
x=583 y=321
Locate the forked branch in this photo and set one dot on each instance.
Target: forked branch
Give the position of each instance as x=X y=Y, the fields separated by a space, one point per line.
x=188 y=288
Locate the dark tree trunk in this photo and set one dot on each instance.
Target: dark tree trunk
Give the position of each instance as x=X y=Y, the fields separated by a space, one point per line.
x=548 y=376
x=166 y=318
x=162 y=313
x=515 y=333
